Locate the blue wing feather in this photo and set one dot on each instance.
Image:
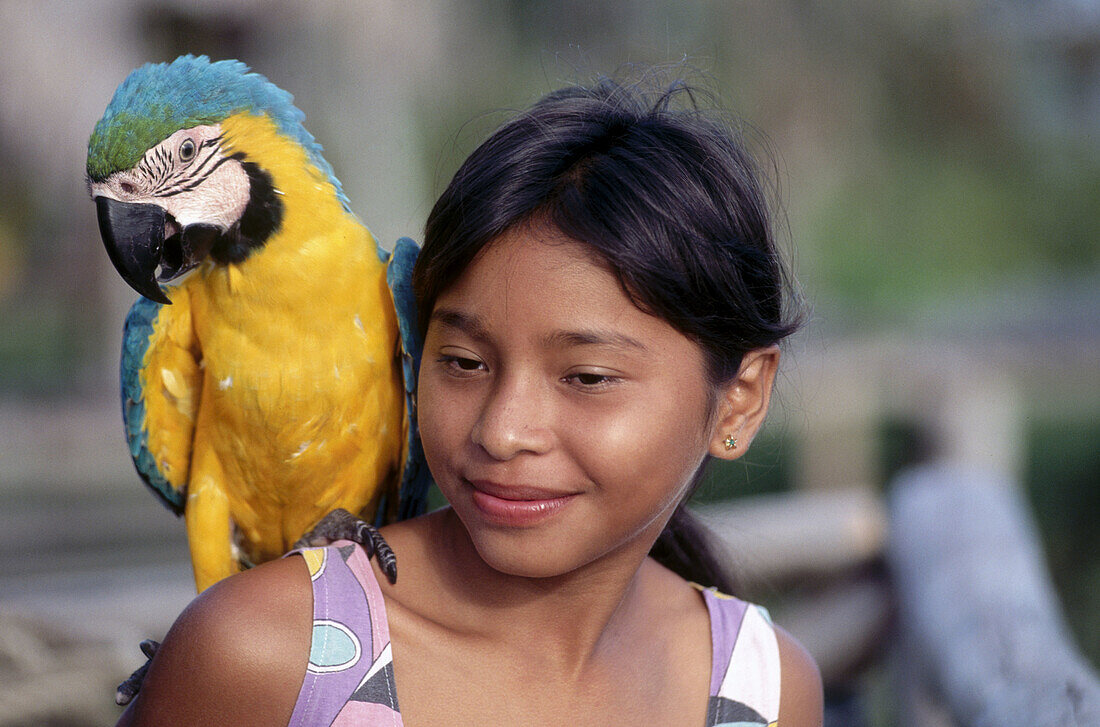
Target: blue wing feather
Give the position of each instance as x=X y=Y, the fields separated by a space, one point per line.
x=136 y=338
x=415 y=477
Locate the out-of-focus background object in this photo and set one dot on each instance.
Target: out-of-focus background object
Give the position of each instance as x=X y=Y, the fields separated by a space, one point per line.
x=939 y=168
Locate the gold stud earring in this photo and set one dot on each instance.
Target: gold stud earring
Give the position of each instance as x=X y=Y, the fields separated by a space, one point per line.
x=731 y=442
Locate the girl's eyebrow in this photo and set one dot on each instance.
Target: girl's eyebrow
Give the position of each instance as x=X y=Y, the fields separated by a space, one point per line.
x=471 y=325
x=474 y=327
x=592 y=337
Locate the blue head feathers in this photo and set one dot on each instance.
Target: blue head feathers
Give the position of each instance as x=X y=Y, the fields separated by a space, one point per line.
x=159 y=99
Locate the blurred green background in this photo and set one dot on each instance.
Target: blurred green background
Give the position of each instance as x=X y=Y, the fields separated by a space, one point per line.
x=936 y=167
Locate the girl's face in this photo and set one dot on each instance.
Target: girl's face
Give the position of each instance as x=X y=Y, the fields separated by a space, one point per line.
x=560 y=421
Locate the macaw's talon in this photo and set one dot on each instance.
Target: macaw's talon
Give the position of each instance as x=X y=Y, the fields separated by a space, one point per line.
x=342 y=525
x=129 y=688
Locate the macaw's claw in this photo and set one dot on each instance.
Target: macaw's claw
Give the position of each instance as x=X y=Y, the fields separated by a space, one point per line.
x=342 y=525
x=129 y=688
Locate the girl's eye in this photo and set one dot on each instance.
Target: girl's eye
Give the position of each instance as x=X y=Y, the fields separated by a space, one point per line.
x=461 y=364
x=589 y=380
x=187 y=150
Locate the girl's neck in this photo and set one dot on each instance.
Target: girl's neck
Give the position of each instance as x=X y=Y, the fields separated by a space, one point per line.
x=572 y=619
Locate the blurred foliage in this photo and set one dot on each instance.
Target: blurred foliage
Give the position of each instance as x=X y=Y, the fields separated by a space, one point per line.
x=11 y=259
x=15 y=207
x=901 y=443
x=929 y=227
x=49 y=323
x=38 y=354
x=1062 y=476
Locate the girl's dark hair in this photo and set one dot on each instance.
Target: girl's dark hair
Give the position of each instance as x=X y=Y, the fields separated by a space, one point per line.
x=666 y=196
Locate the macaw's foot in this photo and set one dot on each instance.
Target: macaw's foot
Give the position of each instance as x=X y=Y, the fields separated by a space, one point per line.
x=342 y=525
x=129 y=688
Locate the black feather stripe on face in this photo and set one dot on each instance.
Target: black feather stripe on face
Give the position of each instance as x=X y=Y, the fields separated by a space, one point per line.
x=262 y=217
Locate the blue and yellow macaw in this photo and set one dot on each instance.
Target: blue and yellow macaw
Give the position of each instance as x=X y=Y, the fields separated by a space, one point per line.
x=274 y=382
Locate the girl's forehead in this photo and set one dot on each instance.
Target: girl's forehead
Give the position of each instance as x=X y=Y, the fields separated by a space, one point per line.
x=544 y=240
x=539 y=262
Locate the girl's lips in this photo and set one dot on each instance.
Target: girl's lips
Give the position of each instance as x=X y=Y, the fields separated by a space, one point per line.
x=517 y=506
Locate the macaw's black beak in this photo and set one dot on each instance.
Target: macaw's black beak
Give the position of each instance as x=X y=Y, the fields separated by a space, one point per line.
x=134 y=236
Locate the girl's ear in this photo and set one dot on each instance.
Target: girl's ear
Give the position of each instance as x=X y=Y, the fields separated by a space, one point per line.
x=743 y=403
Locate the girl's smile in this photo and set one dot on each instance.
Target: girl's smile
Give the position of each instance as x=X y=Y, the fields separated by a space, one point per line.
x=560 y=420
x=516 y=505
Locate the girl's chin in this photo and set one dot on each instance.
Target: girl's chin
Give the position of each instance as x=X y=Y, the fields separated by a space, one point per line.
x=524 y=553
x=529 y=556
x=510 y=564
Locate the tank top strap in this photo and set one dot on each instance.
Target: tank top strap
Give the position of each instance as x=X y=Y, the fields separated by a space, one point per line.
x=745 y=679
x=349 y=676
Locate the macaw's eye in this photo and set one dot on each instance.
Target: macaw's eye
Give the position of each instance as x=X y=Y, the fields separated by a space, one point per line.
x=187 y=150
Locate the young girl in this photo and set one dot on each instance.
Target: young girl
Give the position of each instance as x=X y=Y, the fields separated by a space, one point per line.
x=601 y=300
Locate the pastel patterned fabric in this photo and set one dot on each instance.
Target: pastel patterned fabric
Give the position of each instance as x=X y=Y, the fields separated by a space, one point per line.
x=744 y=679
x=349 y=678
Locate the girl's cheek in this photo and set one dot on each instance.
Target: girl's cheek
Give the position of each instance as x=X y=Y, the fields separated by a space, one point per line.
x=431 y=415
x=446 y=417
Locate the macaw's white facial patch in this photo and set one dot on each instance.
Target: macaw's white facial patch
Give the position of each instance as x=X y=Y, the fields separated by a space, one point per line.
x=187 y=174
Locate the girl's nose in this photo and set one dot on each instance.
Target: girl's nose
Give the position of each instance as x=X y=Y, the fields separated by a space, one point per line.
x=513 y=420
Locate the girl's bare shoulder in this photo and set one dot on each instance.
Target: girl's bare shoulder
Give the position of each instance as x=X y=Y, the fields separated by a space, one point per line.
x=800 y=696
x=236 y=655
